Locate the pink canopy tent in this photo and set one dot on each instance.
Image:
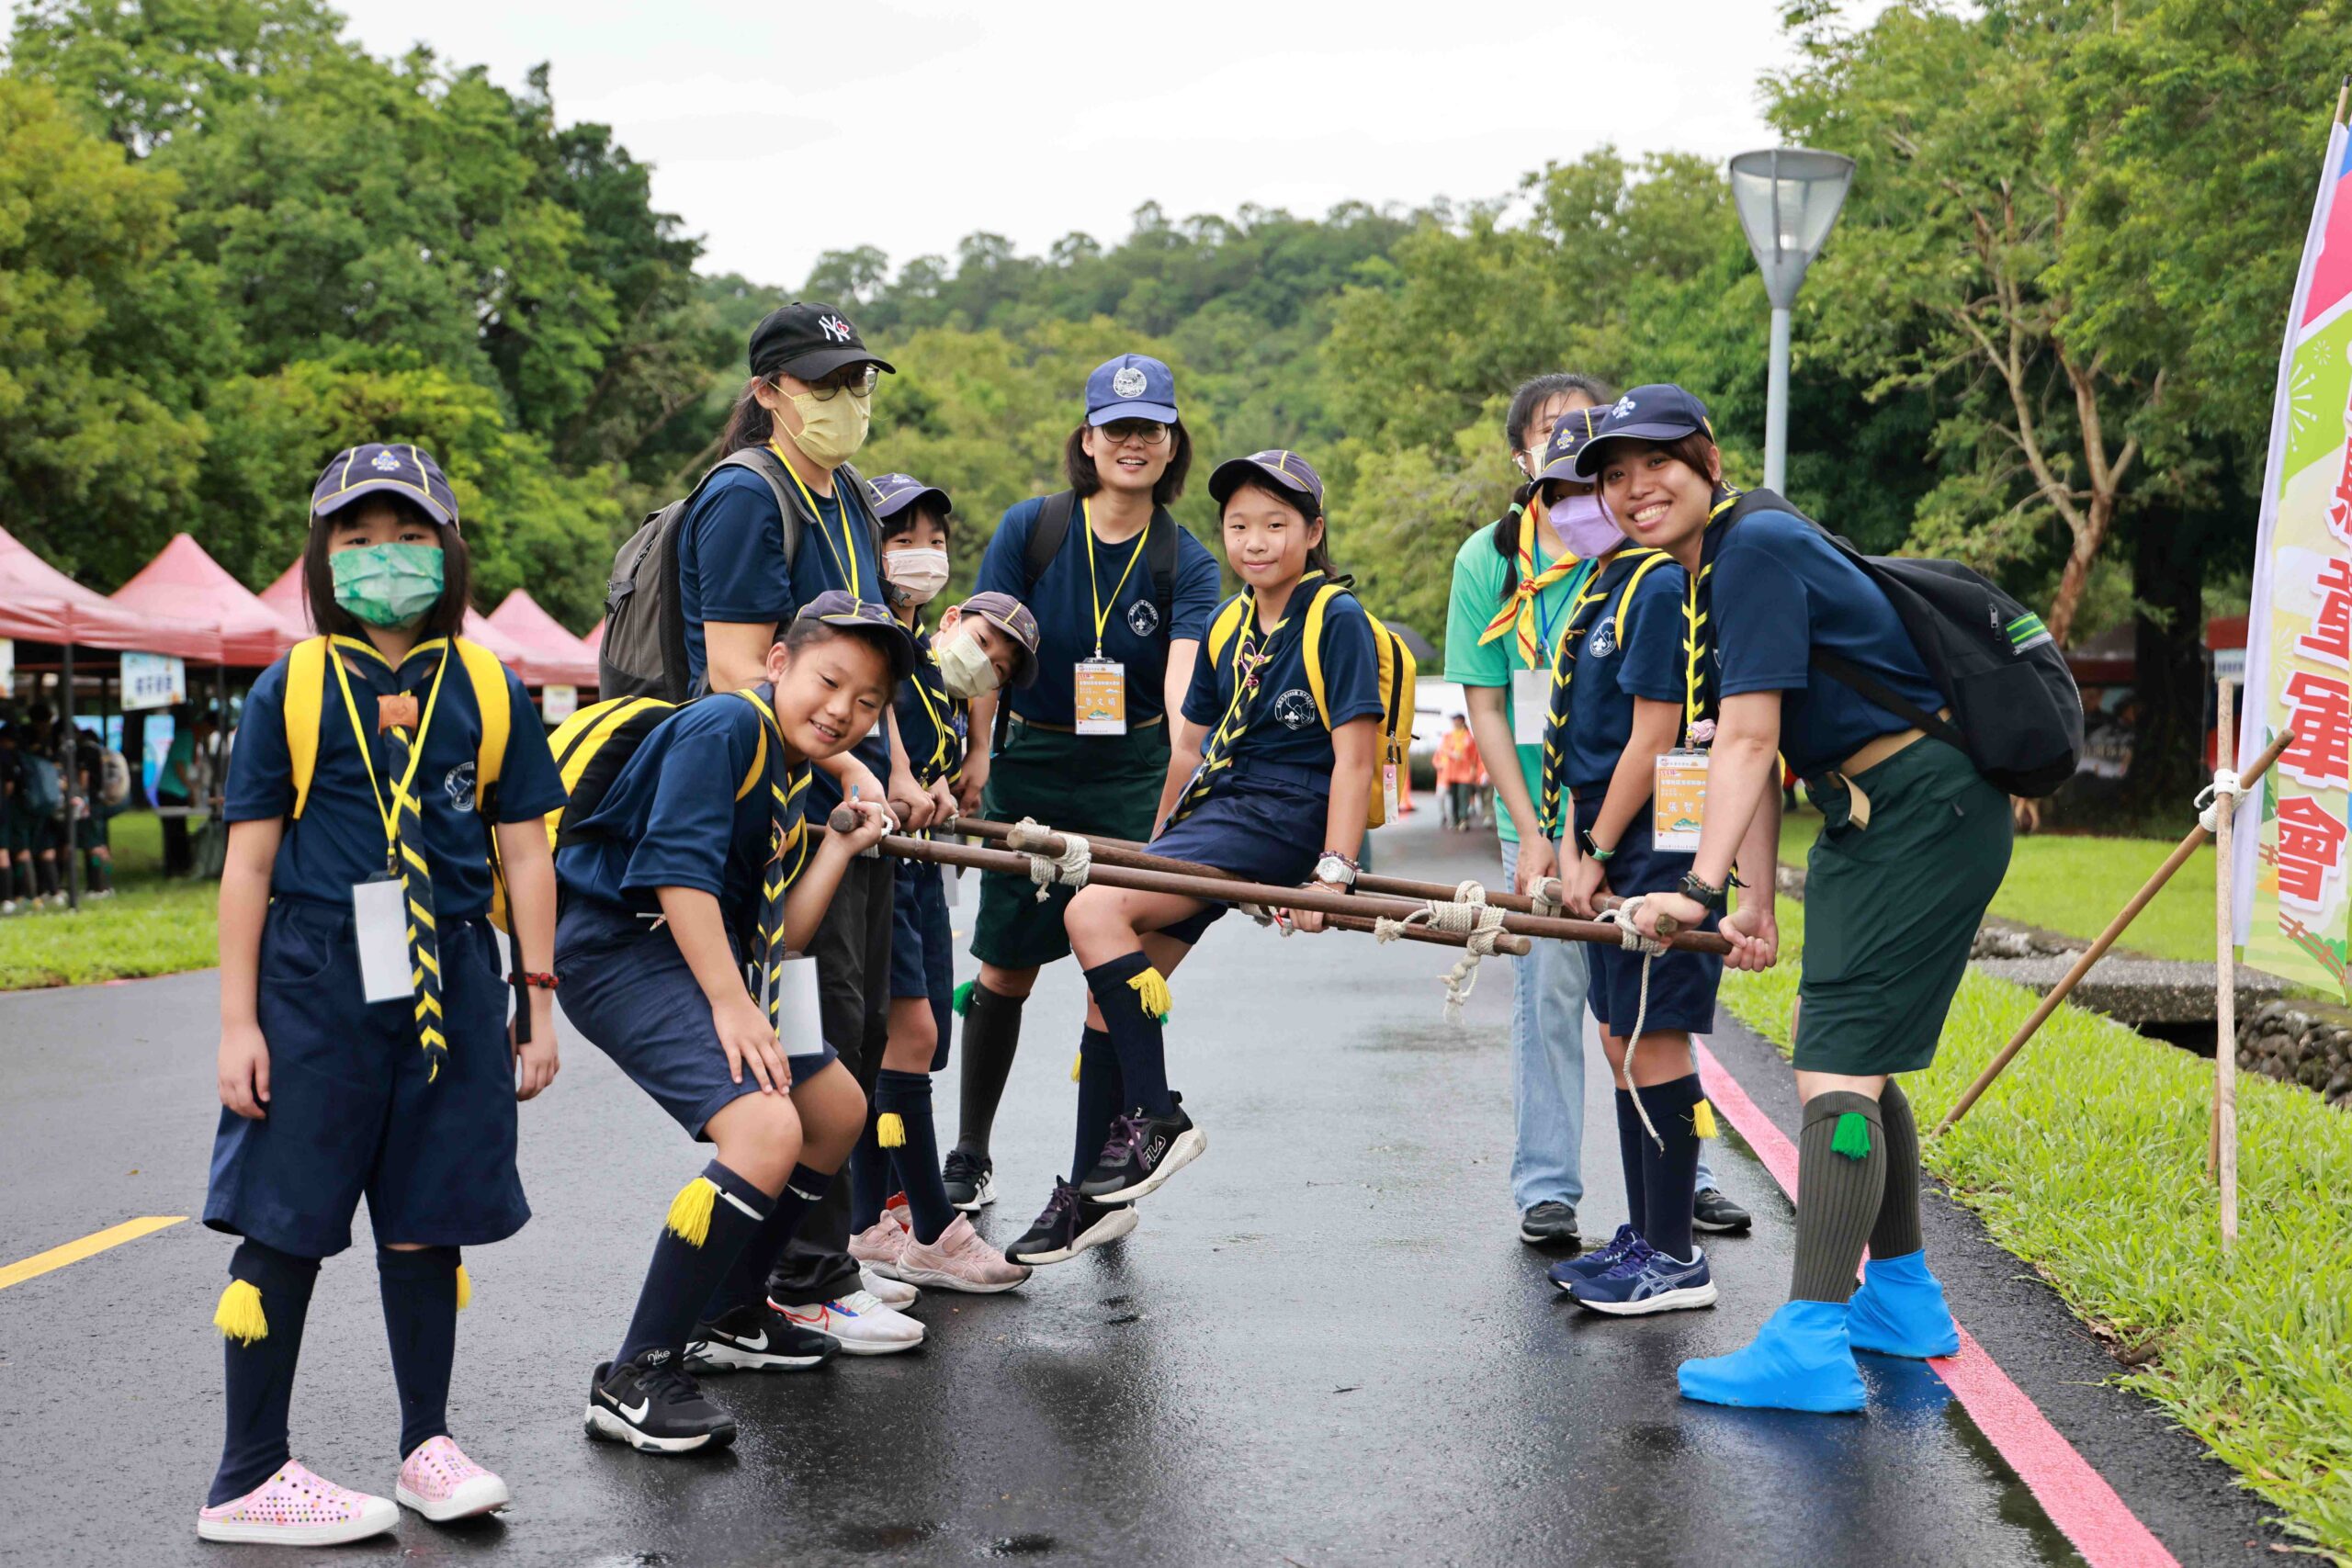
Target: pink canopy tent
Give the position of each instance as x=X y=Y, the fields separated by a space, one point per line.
x=40 y=603
x=287 y=597
x=551 y=656
x=595 y=638
x=183 y=579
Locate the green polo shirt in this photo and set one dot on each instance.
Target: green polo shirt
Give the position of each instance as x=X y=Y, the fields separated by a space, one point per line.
x=1477 y=594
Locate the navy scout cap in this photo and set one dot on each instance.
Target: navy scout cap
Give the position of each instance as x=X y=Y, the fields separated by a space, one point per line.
x=893 y=494
x=1011 y=617
x=808 y=342
x=1659 y=411
x=837 y=607
x=378 y=468
x=1134 y=386
x=1284 y=470
x=1570 y=434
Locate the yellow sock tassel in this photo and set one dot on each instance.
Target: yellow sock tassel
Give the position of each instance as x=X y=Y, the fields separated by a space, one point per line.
x=1151 y=987
x=1076 y=1063
x=690 y=1212
x=465 y=1288
x=1702 y=1120
x=891 y=1130
x=239 y=1315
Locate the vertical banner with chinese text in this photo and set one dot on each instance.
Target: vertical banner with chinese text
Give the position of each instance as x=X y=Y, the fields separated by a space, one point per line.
x=2294 y=912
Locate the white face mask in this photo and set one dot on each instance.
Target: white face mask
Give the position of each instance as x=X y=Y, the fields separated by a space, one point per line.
x=919 y=574
x=965 y=667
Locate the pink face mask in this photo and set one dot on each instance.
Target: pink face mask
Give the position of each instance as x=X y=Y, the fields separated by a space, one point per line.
x=1584 y=526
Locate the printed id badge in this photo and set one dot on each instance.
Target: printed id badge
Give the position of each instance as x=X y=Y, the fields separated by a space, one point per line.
x=1101 y=697
x=799 y=1026
x=1530 y=706
x=380 y=921
x=1679 y=800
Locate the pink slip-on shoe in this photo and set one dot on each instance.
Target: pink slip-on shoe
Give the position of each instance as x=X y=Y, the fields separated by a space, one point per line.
x=959 y=1260
x=878 y=1247
x=295 y=1508
x=442 y=1483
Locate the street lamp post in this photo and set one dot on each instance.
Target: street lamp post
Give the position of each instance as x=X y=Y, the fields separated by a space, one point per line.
x=1788 y=198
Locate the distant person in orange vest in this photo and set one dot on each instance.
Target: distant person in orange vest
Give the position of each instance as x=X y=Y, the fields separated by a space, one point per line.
x=1457 y=774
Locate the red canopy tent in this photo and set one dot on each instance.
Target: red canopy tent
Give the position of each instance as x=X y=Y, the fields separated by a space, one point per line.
x=551 y=656
x=40 y=603
x=595 y=638
x=184 y=579
x=287 y=597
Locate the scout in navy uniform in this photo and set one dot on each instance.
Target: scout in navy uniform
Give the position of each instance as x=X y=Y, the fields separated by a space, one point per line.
x=1914 y=845
x=1122 y=603
x=362 y=820
x=1619 y=684
x=987 y=642
x=691 y=864
x=1271 y=778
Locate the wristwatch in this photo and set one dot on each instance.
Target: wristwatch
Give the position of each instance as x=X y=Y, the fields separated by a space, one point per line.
x=1592 y=851
x=1335 y=869
x=1713 y=899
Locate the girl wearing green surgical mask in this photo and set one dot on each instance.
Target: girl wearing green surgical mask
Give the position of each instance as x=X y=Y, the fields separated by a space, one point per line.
x=381 y=569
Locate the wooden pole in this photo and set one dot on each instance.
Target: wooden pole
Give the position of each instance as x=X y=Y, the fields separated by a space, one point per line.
x=2196 y=839
x=2226 y=988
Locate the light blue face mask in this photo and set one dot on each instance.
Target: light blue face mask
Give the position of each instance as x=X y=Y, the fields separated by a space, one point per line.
x=387 y=585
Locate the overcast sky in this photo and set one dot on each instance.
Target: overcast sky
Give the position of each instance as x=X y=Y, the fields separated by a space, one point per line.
x=908 y=124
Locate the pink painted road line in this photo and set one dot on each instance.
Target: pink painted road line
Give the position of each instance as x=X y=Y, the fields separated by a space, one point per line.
x=2075 y=1497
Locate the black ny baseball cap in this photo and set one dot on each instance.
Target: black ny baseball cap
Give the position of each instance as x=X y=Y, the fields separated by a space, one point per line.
x=1659 y=411
x=809 y=342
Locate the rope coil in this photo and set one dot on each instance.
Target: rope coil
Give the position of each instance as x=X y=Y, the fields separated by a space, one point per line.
x=1466 y=915
x=1630 y=937
x=1071 y=868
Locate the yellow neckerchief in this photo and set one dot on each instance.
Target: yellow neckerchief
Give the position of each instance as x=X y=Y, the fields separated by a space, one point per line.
x=1102 y=617
x=1607 y=581
x=1696 y=616
x=1251 y=652
x=848 y=566
x=1519 y=607
x=390 y=814
x=943 y=727
x=783 y=796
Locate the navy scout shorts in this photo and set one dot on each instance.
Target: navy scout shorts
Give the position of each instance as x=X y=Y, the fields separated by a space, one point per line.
x=922 y=947
x=626 y=986
x=1263 y=822
x=351 y=1111
x=1682 y=985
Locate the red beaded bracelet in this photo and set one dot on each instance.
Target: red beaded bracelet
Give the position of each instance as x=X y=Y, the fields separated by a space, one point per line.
x=530 y=977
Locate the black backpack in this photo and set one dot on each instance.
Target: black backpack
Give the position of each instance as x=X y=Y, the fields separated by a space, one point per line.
x=1159 y=549
x=2014 y=708
x=644 y=650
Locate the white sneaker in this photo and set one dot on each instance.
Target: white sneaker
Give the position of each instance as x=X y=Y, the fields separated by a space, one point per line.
x=862 y=1320
x=960 y=1260
x=892 y=1293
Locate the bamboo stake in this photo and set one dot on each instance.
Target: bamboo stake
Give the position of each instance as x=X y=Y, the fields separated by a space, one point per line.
x=2225 y=988
x=2196 y=839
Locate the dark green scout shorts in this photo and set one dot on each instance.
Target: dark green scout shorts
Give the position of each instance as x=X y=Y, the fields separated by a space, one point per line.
x=1891 y=909
x=1102 y=784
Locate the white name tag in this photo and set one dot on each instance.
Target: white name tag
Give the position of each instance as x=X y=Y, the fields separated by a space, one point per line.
x=380 y=921
x=1392 y=805
x=798 y=1023
x=1679 y=800
x=1530 y=705
x=953 y=883
x=1101 y=697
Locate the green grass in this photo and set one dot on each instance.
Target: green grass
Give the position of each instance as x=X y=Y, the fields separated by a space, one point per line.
x=2087 y=1160
x=2074 y=884
x=148 y=927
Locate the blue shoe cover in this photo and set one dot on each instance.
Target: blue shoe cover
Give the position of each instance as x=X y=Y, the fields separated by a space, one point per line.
x=1798 y=1360
x=1900 y=1311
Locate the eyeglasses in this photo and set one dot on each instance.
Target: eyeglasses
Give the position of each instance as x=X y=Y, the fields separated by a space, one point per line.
x=858 y=380
x=1149 y=431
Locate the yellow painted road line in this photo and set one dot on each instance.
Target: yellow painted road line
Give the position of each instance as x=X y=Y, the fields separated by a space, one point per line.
x=89 y=1247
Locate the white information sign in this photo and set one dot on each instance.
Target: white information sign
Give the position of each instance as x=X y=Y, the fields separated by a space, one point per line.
x=152 y=680
x=558 y=703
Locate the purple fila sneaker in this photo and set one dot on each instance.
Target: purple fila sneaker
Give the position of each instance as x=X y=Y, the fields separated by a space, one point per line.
x=1142 y=1153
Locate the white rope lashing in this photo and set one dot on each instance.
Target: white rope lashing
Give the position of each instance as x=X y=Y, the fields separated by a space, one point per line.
x=1466 y=915
x=1630 y=937
x=1071 y=868
x=2209 y=799
x=1543 y=901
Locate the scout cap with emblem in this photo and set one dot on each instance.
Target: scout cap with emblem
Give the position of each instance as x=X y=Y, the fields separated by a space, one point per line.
x=1287 y=470
x=380 y=468
x=893 y=494
x=1011 y=617
x=1575 y=430
x=808 y=342
x=837 y=607
x=1658 y=412
x=1134 y=386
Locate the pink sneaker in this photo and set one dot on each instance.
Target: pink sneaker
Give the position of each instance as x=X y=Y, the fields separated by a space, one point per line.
x=295 y=1508
x=878 y=1247
x=959 y=1260
x=442 y=1483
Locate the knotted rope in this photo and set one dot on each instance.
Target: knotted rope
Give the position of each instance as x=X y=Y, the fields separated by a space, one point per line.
x=1071 y=868
x=1543 y=900
x=2209 y=799
x=1466 y=915
x=1630 y=937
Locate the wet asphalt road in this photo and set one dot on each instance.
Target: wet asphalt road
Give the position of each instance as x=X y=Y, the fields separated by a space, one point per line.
x=1325 y=1343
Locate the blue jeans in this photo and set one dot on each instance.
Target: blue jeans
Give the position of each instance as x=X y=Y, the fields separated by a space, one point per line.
x=1549 y=1022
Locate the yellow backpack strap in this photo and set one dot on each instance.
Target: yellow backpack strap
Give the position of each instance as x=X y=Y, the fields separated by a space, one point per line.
x=493 y=698
x=759 y=758
x=1313 y=647
x=1626 y=597
x=306 y=691
x=1228 y=621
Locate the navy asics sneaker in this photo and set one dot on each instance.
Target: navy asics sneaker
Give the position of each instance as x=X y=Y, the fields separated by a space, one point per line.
x=1647 y=1281
x=1568 y=1271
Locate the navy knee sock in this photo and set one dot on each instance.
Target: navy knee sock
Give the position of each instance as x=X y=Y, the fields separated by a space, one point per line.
x=420 y=1290
x=260 y=1368
x=704 y=1234
x=1102 y=1095
x=1631 y=1141
x=992 y=1038
x=1136 y=1033
x=869 y=1174
x=911 y=1144
x=1669 y=1174
x=746 y=1283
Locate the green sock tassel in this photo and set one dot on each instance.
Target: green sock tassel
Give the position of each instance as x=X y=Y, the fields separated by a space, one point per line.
x=963 y=998
x=1852 y=1138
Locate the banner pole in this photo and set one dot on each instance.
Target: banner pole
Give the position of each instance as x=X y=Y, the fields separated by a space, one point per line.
x=2226 y=996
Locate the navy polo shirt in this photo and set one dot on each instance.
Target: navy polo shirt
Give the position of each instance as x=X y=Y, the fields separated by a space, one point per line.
x=1780 y=590
x=339 y=839
x=1284 y=726
x=1063 y=602
x=932 y=723
x=1611 y=670
x=672 y=817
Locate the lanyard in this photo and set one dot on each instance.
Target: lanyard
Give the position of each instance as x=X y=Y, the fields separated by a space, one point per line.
x=1544 y=619
x=1101 y=618
x=848 y=567
x=1694 y=620
x=390 y=814
x=940 y=729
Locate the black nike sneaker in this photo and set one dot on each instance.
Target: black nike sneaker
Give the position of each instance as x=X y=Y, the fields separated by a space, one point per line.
x=1069 y=1227
x=970 y=1180
x=653 y=1406
x=1711 y=1210
x=1143 y=1152
x=757 y=1339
